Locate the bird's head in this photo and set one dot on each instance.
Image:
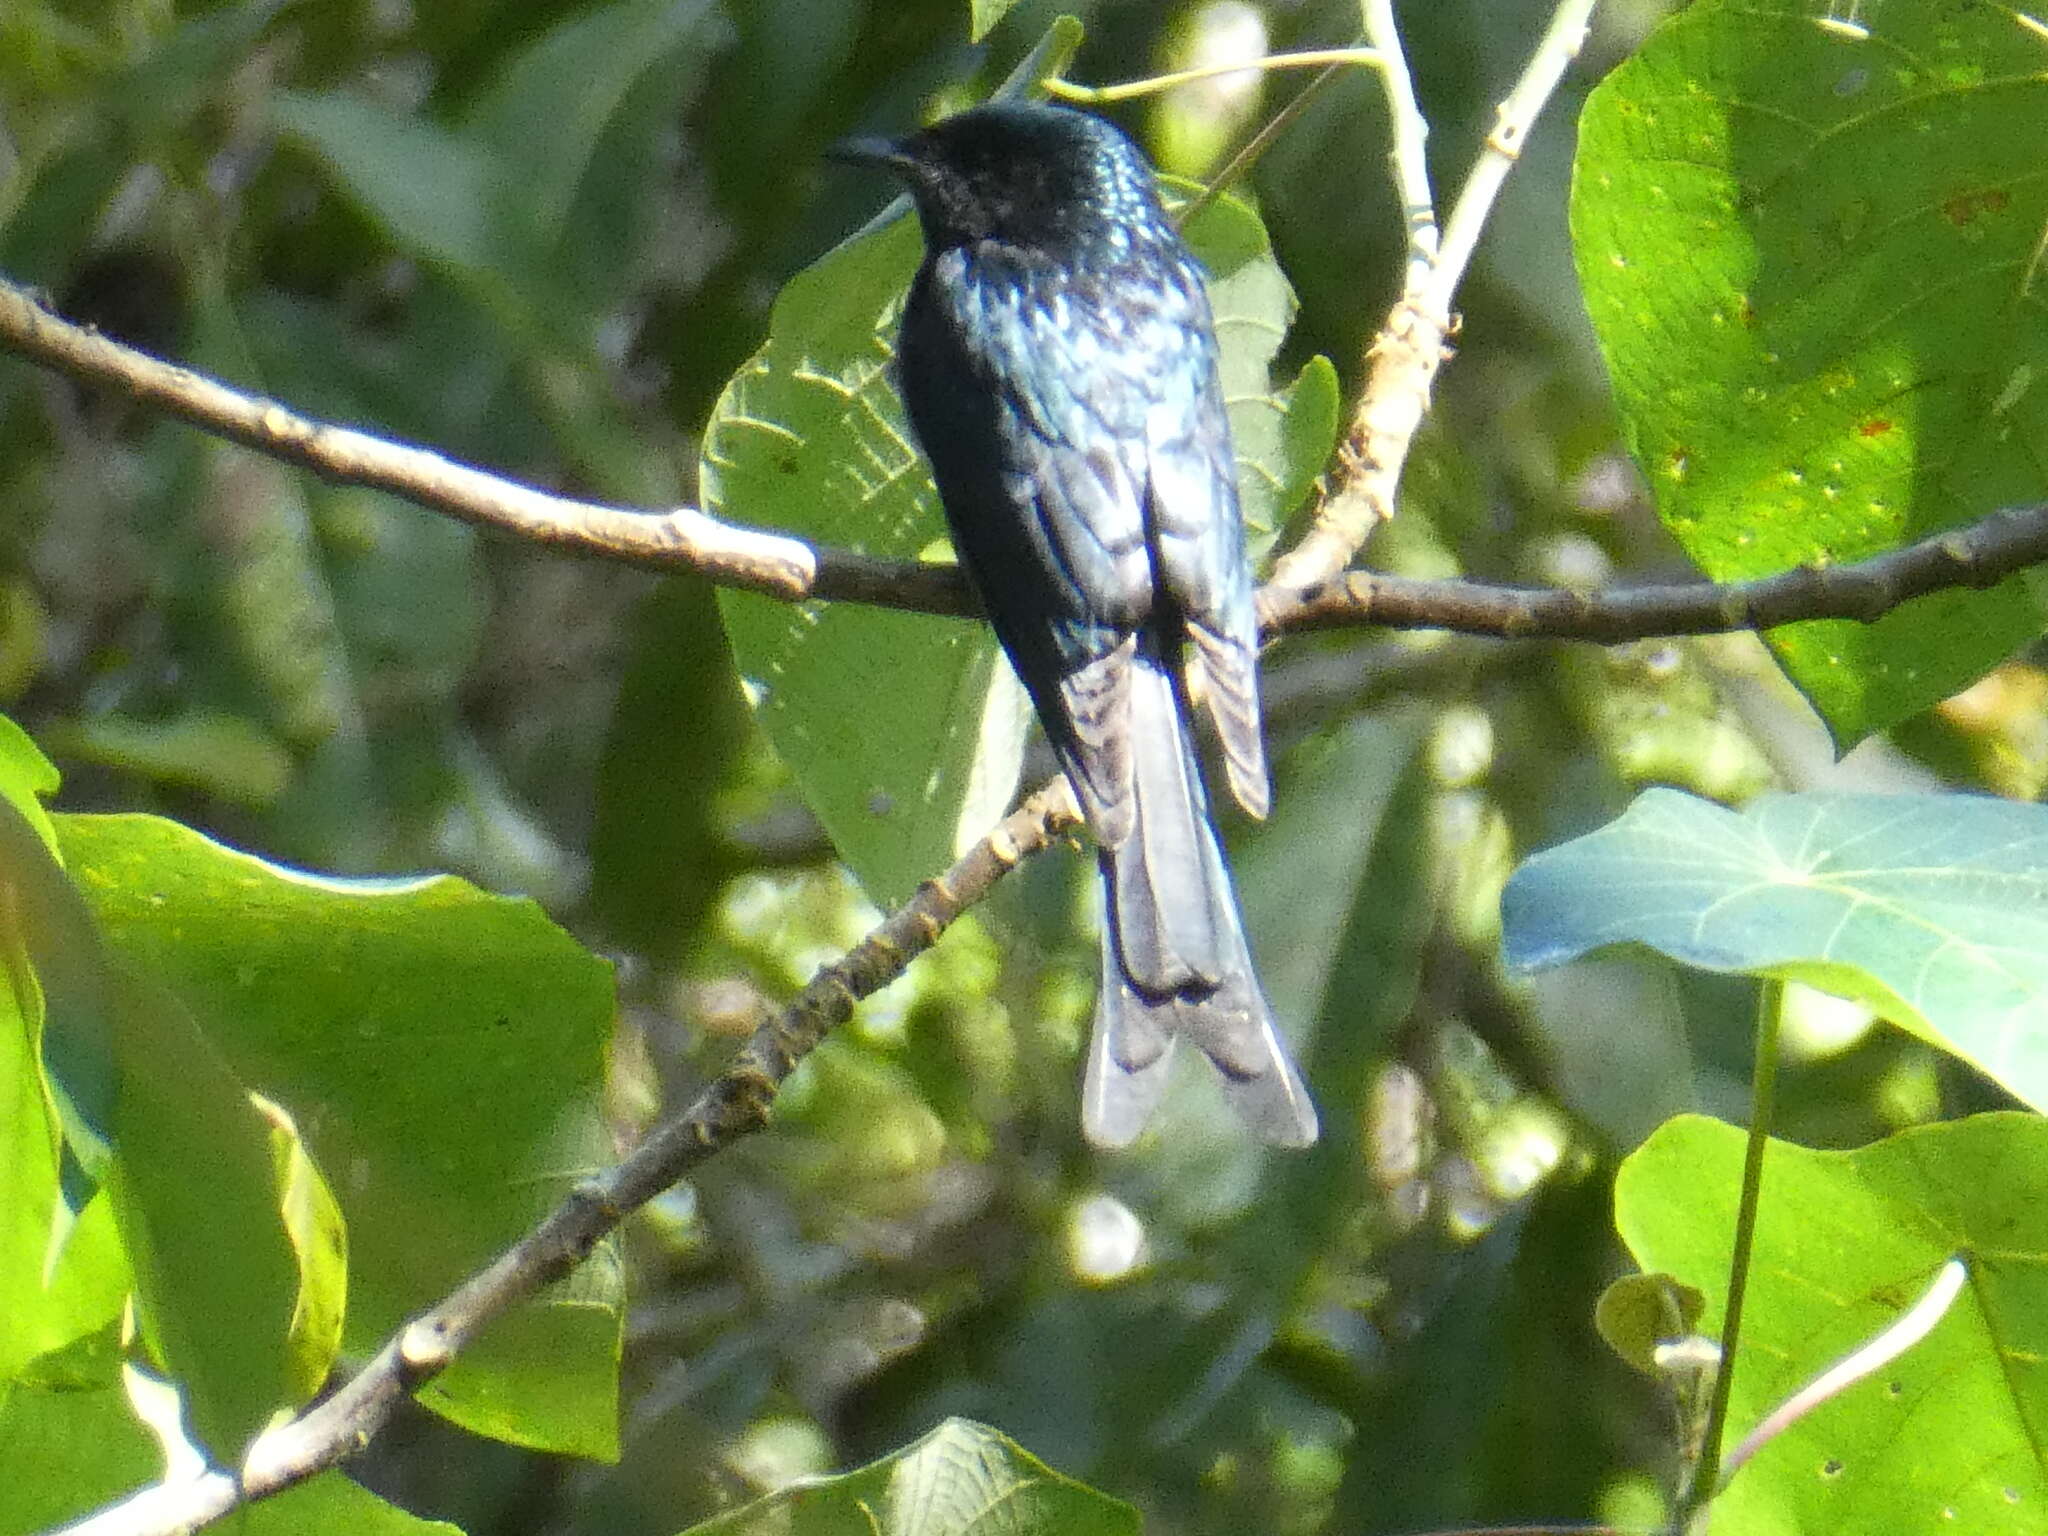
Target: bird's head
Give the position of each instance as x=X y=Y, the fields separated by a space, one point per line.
x=1032 y=176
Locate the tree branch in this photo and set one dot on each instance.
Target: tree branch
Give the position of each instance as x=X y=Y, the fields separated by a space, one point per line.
x=1979 y=555
x=735 y=1105
x=682 y=538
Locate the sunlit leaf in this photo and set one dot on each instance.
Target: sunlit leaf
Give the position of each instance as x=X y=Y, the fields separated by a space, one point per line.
x=1933 y=909
x=439 y=1049
x=1639 y=1312
x=1947 y=1437
x=27 y=778
x=1809 y=239
x=87 y=1448
x=319 y=1239
x=215 y=1275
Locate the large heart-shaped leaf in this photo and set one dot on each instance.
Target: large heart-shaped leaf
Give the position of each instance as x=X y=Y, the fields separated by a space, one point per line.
x=440 y=1050
x=1947 y=1438
x=1811 y=248
x=1933 y=909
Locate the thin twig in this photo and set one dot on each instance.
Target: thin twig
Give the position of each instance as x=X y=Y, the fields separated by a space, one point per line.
x=735 y=1105
x=1238 y=164
x=681 y=538
x=1978 y=555
x=1410 y=349
x=1402 y=362
x=1152 y=85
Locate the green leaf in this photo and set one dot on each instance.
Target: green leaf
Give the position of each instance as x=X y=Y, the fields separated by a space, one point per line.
x=215 y=1275
x=87 y=1449
x=332 y=1505
x=1949 y=1436
x=431 y=191
x=1932 y=909
x=319 y=1239
x=204 y=749
x=27 y=779
x=67 y=1333
x=441 y=1047
x=1282 y=439
x=1639 y=1312
x=1308 y=410
x=984 y=16
x=60 y=1279
x=902 y=730
x=962 y=1479
x=882 y=716
x=61 y=988
x=31 y=1143
x=1808 y=250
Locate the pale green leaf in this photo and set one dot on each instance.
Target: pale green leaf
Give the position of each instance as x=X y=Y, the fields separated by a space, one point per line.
x=1933 y=909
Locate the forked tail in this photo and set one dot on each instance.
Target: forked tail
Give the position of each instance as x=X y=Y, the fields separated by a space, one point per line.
x=1174 y=959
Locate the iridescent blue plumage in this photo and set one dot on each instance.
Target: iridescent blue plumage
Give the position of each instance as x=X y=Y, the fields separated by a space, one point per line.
x=1058 y=363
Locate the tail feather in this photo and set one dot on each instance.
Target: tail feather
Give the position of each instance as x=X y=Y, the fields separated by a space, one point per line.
x=1229 y=674
x=1172 y=920
x=1174 y=959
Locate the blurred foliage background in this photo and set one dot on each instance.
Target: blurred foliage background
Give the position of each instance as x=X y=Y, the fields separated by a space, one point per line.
x=540 y=238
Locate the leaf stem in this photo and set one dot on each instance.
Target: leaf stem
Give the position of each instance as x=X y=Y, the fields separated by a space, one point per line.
x=1763 y=1088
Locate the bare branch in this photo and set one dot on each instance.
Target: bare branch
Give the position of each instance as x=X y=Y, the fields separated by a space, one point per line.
x=735 y=1105
x=682 y=538
x=1979 y=554
x=1412 y=346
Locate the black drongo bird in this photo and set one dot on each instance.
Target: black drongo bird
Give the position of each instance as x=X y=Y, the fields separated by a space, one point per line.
x=1058 y=364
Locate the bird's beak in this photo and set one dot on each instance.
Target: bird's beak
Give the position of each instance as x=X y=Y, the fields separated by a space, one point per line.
x=886 y=153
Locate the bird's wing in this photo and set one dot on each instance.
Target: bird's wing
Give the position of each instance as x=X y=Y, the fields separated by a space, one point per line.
x=1041 y=467
x=1083 y=491
x=1192 y=502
